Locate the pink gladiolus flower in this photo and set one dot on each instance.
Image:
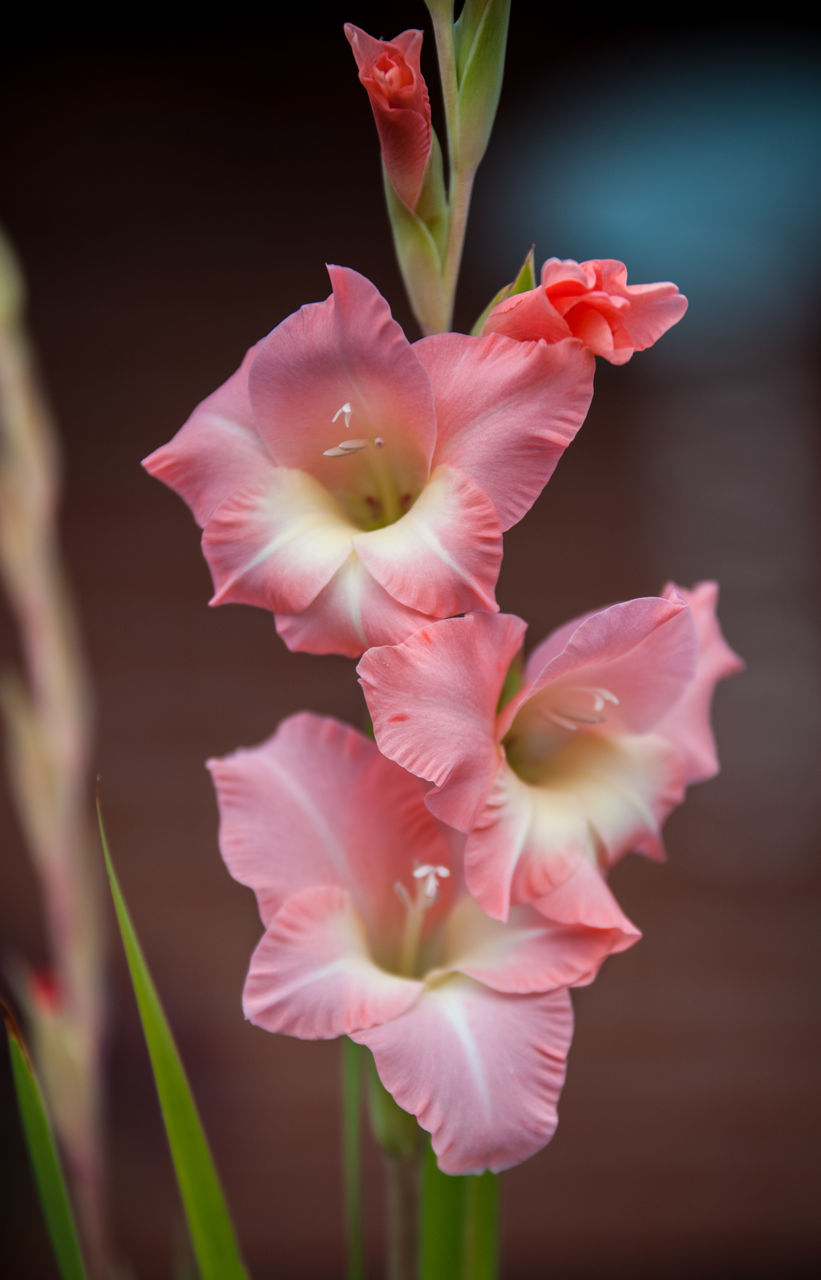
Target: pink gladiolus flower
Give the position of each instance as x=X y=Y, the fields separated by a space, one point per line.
x=593 y=302
x=358 y=486
x=370 y=933
x=581 y=765
x=389 y=71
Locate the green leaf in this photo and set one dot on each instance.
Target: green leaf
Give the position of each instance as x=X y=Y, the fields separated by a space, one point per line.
x=209 y=1222
x=525 y=279
x=45 y=1161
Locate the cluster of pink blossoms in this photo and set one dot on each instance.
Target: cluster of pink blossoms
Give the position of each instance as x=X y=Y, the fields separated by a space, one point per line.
x=434 y=895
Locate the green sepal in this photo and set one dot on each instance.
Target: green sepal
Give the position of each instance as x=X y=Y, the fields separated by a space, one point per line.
x=206 y=1212
x=45 y=1161
x=525 y=279
x=420 y=244
x=480 y=40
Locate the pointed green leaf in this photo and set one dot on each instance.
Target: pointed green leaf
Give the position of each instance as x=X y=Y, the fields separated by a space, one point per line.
x=480 y=54
x=525 y=279
x=209 y=1222
x=45 y=1161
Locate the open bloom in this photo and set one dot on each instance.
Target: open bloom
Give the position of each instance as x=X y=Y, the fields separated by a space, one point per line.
x=369 y=933
x=389 y=71
x=584 y=763
x=358 y=486
x=591 y=301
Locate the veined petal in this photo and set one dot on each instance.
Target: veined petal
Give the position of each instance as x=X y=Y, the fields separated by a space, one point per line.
x=312 y=974
x=481 y=1071
x=584 y=899
x=277 y=544
x=687 y=724
x=351 y=614
x=642 y=653
x=528 y=953
x=523 y=844
x=433 y=704
x=217 y=451
x=344 y=353
x=317 y=804
x=443 y=556
x=506 y=411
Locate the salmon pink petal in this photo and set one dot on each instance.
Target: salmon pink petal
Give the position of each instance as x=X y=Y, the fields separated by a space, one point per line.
x=312 y=806
x=444 y=556
x=217 y=451
x=584 y=899
x=639 y=656
x=433 y=704
x=523 y=844
x=277 y=544
x=527 y=316
x=687 y=724
x=481 y=1071
x=338 y=368
x=351 y=614
x=528 y=953
x=312 y=974
x=506 y=411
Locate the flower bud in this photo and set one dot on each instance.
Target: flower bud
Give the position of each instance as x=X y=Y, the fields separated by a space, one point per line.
x=390 y=72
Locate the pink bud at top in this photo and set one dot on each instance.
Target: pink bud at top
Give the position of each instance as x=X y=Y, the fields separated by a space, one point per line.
x=593 y=302
x=390 y=72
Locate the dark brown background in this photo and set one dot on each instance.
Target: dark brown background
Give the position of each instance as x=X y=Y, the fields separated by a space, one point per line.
x=173 y=192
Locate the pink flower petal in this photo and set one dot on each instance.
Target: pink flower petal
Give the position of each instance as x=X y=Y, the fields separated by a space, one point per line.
x=313 y=976
x=687 y=724
x=642 y=653
x=314 y=805
x=433 y=704
x=524 y=843
x=345 y=351
x=444 y=556
x=481 y=1071
x=506 y=411
x=584 y=899
x=529 y=953
x=217 y=451
x=350 y=615
x=278 y=544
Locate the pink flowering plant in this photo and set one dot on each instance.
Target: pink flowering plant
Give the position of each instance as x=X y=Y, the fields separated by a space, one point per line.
x=431 y=890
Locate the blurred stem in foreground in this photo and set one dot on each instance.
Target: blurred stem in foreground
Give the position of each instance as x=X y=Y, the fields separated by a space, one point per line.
x=47 y=718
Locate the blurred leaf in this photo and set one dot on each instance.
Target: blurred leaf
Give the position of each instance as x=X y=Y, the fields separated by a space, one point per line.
x=209 y=1222
x=45 y=1161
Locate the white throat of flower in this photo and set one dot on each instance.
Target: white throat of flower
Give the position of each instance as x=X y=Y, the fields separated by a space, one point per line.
x=386 y=492
x=427 y=879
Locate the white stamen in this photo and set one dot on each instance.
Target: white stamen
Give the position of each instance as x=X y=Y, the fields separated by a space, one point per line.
x=346 y=410
x=402 y=894
x=431 y=876
x=379 y=442
x=567 y=718
x=345 y=447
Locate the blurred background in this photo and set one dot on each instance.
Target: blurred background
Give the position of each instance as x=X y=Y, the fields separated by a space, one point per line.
x=173 y=188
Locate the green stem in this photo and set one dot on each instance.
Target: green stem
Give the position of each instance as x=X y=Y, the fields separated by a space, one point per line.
x=352 y=1093
x=481 y=1243
x=441 y=1222
x=402 y=1186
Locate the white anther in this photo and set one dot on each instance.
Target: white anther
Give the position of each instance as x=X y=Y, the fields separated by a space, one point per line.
x=379 y=442
x=568 y=718
x=345 y=447
x=431 y=876
x=599 y=695
x=346 y=410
